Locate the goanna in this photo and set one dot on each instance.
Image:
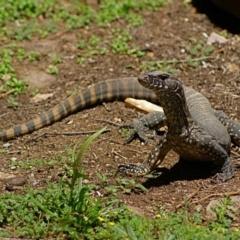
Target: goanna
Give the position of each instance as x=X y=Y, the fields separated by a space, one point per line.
x=194 y=109
x=194 y=131
x=110 y=90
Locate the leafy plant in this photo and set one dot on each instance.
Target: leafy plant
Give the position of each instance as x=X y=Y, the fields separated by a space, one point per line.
x=57 y=59
x=34 y=56
x=66 y=208
x=224 y=213
x=12 y=102
x=51 y=69
x=7 y=74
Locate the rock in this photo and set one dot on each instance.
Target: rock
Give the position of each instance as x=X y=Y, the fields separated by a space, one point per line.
x=39 y=97
x=42 y=46
x=211 y=215
x=216 y=38
x=37 y=79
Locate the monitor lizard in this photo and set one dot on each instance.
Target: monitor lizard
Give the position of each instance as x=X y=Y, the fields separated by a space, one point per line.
x=119 y=89
x=195 y=129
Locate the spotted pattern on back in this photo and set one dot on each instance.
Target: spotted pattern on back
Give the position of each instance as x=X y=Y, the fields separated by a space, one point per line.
x=191 y=139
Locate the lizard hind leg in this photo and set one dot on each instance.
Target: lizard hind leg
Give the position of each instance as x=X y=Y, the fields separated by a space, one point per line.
x=233 y=127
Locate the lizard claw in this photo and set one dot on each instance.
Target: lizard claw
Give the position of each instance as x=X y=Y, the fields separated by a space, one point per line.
x=225 y=173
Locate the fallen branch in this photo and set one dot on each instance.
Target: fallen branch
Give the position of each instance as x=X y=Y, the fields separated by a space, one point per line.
x=109 y=122
x=217 y=195
x=7 y=93
x=188 y=198
x=65 y=133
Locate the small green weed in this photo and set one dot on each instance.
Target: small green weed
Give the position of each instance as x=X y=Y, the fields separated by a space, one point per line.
x=123 y=184
x=74 y=15
x=12 y=102
x=17 y=86
x=120 y=44
x=57 y=60
x=69 y=210
x=35 y=92
x=21 y=53
x=74 y=91
x=164 y=65
x=128 y=185
x=3 y=151
x=81 y=44
x=197 y=49
x=34 y=56
x=224 y=213
x=134 y=19
x=51 y=69
x=30 y=163
x=8 y=80
x=81 y=61
x=65 y=209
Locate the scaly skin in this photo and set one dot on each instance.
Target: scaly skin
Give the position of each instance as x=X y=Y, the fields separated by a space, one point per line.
x=194 y=132
x=119 y=89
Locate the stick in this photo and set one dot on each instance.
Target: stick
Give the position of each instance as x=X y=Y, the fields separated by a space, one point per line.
x=217 y=194
x=65 y=133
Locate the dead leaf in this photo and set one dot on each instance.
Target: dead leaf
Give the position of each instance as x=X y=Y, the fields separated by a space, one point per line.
x=40 y=97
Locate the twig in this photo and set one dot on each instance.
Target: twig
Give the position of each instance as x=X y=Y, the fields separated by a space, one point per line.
x=4 y=114
x=235 y=153
x=102 y=140
x=237 y=74
x=76 y=133
x=119 y=155
x=217 y=194
x=110 y=122
x=188 y=198
x=13 y=152
x=65 y=133
x=129 y=149
x=106 y=107
x=7 y=93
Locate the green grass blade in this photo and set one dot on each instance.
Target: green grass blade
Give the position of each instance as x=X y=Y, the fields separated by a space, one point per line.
x=85 y=146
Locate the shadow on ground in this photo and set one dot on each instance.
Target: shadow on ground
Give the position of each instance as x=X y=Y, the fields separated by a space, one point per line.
x=182 y=171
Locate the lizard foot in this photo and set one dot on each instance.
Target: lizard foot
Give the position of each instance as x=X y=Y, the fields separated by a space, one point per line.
x=143 y=133
x=225 y=173
x=133 y=170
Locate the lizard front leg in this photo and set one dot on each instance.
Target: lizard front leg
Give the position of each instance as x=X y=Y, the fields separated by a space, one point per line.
x=155 y=158
x=148 y=124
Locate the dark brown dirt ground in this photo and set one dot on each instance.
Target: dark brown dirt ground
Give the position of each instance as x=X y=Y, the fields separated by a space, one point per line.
x=166 y=31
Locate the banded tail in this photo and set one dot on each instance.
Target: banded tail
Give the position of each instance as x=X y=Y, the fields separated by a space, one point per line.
x=110 y=90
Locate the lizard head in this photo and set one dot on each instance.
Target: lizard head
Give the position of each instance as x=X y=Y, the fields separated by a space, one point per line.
x=169 y=91
x=159 y=81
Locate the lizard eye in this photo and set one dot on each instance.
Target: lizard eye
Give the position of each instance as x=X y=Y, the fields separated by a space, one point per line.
x=164 y=76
